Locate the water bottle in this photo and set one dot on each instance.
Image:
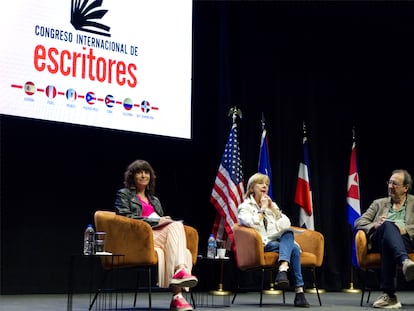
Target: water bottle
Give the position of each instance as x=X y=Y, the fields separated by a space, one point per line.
x=89 y=241
x=211 y=247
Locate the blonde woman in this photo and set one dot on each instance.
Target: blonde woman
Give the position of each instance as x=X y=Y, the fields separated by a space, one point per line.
x=258 y=211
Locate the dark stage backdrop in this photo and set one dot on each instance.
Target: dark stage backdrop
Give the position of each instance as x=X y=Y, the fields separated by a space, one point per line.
x=332 y=64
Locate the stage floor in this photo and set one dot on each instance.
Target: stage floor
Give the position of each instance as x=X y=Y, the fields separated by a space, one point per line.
x=338 y=301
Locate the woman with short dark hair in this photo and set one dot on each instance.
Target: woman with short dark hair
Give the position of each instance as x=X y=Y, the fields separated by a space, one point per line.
x=137 y=200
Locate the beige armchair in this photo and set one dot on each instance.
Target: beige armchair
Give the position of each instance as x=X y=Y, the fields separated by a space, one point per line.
x=250 y=254
x=134 y=239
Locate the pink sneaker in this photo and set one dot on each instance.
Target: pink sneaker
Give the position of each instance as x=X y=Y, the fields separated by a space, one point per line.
x=178 y=303
x=182 y=279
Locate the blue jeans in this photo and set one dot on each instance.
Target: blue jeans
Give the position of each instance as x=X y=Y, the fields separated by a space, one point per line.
x=393 y=248
x=288 y=251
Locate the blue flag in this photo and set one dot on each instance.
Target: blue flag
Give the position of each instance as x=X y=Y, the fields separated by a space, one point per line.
x=264 y=161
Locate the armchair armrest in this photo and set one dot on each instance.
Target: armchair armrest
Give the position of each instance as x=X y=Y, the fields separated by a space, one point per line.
x=192 y=241
x=361 y=248
x=130 y=237
x=313 y=242
x=249 y=252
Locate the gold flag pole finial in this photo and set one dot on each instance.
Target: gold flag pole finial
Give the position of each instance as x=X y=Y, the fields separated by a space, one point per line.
x=263 y=122
x=235 y=112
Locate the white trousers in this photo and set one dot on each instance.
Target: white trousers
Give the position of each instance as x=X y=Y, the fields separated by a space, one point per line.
x=171 y=246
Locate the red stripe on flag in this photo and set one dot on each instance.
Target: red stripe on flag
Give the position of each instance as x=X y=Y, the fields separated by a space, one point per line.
x=302 y=196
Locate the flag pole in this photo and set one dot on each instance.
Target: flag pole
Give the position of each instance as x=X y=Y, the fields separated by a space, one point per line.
x=313 y=289
x=351 y=288
x=227 y=202
x=271 y=290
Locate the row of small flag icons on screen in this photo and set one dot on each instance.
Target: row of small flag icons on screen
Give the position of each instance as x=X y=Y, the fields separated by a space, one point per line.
x=71 y=95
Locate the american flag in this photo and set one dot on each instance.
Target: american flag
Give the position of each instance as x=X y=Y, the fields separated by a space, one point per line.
x=303 y=195
x=228 y=189
x=352 y=199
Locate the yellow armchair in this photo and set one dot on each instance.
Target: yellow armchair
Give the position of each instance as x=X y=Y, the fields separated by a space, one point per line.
x=367 y=260
x=250 y=254
x=134 y=239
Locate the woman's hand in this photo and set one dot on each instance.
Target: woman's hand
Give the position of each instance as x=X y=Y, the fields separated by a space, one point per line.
x=277 y=212
x=164 y=218
x=265 y=201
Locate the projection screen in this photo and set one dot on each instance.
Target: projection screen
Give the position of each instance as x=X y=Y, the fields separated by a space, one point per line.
x=117 y=64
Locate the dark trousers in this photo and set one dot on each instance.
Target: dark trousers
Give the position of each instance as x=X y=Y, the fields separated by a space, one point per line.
x=393 y=248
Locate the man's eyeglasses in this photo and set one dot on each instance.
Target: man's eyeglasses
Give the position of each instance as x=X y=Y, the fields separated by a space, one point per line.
x=393 y=183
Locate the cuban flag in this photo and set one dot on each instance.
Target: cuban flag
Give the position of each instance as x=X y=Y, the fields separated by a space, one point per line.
x=109 y=101
x=303 y=194
x=352 y=198
x=264 y=160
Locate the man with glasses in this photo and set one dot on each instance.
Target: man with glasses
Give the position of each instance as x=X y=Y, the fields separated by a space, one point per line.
x=389 y=225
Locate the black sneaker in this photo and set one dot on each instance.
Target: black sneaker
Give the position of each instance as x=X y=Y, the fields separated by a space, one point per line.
x=300 y=300
x=282 y=280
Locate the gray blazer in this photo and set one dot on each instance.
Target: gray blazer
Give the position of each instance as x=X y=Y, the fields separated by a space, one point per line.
x=380 y=207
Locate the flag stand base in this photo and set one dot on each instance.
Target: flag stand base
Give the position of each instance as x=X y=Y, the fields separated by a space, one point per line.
x=313 y=290
x=351 y=289
x=272 y=291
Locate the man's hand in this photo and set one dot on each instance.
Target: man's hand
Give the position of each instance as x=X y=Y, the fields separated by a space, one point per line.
x=403 y=231
x=380 y=221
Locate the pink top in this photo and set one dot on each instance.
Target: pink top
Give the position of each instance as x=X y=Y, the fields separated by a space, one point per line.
x=147 y=208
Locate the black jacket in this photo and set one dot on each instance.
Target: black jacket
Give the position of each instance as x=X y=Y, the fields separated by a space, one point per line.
x=127 y=204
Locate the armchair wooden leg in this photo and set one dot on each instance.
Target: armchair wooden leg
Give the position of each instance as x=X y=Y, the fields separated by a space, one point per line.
x=234 y=296
x=136 y=289
x=106 y=272
x=365 y=277
x=365 y=289
x=192 y=299
x=237 y=287
x=316 y=287
x=149 y=289
x=261 y=286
